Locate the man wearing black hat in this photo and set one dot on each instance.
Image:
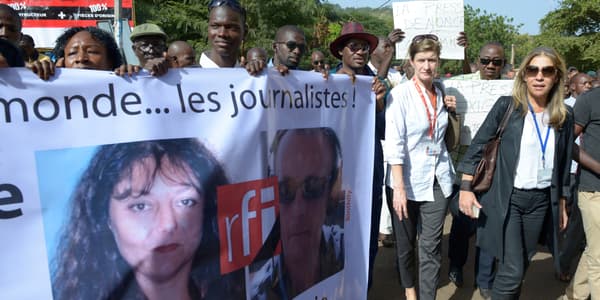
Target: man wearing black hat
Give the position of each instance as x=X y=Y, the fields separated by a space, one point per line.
x=353 y=47
x=150 y=47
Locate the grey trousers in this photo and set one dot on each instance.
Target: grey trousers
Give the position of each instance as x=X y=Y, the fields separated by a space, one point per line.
x=425 y=223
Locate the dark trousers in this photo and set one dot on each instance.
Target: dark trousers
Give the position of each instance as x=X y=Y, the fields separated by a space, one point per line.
x=571 y=241
x=425 y=219
x=374 y=234
x=526 y=212
x=463 y=228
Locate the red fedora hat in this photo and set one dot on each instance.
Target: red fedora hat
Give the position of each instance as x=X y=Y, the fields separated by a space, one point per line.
x=352 y=30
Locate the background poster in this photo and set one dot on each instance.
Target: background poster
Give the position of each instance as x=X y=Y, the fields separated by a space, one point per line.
x=444 y=18
x=45 y=20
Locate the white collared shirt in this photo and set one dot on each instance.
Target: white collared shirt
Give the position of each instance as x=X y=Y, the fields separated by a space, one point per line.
x=530 y=154
x=407 y=133
x=208 y=63
x=571 y=102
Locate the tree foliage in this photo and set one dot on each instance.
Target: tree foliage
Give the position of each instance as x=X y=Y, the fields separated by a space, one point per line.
x=574 y=30
x=482 y=27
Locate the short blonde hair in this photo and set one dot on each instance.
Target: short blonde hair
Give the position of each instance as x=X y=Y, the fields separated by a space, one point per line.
x=424 y=45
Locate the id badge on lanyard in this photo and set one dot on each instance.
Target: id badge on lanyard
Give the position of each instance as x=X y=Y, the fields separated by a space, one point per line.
x=432 y=148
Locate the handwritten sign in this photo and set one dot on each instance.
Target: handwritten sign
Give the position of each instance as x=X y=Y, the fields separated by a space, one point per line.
x=444 y=18
x=474 y=99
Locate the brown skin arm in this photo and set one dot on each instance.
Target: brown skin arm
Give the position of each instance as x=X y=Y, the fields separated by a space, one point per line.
x=397 y=35
x=580 y=156
x=464 y=42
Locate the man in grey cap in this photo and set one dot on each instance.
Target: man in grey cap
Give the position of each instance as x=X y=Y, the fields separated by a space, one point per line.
x=150 y=47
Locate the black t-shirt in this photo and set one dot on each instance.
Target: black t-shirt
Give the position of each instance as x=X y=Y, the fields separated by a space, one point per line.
x=587 y=115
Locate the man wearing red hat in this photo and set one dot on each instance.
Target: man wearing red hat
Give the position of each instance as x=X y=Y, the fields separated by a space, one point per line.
x=353 y=48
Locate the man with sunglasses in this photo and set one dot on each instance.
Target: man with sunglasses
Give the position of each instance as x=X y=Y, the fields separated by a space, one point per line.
x=289 y=47
x=353 y=47
x=317 y=60
x=490 y=65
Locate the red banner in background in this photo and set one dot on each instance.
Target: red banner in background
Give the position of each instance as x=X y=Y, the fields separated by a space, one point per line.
x=46 y=19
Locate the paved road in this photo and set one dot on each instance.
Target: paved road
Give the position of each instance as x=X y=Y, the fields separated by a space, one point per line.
x=539 y=281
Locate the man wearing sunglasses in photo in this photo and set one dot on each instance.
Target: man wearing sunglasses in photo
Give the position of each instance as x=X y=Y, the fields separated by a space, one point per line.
x=307 y=163
x=490 y=64
x=353 y=47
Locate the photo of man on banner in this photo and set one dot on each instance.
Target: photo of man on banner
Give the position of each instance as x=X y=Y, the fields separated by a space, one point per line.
x=308 y=165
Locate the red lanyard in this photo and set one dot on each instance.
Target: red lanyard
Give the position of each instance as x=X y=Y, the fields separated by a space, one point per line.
x=431 y=122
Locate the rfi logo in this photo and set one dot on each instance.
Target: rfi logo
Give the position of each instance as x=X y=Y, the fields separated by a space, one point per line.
x=246 y=213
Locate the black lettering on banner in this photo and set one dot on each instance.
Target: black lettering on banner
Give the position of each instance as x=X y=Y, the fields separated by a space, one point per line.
x=111 y=101
x=37 y=110
x=14 y=197
x=7 y=112
x=125 y=103
x=243 y=98
x=69 y=100
x=196 y=98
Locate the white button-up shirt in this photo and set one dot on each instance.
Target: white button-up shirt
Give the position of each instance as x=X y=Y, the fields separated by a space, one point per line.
x=406 y=137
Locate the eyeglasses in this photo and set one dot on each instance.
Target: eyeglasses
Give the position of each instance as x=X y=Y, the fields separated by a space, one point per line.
x=355 y=47
x=317 y=62
x=313 y=188
x=421 y=37
x=496 y=62
x=291 y=45
x=147 y=46
x=233 y=4
x=547 y=71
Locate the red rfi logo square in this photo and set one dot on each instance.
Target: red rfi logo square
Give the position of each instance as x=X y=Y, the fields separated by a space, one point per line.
x=246 y=214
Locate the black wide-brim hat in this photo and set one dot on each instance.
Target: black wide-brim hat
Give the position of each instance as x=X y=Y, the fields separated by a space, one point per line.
x=352 y=30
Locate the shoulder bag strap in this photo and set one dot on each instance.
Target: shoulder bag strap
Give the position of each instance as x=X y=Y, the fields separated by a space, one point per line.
x=507 y=113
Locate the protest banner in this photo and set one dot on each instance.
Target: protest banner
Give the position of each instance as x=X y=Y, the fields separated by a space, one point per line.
x=444 y=18
x=45 y=20
x=210 y=181
x=474 y=99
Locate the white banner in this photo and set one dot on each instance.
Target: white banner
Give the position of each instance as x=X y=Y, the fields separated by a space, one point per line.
x=474 y=99
x=202 y=183
x=444 y=18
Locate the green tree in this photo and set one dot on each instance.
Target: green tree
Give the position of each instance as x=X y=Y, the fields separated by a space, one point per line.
x=482 y=27
x=574 y=31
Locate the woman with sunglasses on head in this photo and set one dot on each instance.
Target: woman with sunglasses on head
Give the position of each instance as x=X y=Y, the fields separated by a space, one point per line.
x=531 y=178
x=422 y=172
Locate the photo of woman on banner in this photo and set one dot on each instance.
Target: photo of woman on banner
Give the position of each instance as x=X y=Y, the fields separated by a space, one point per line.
x=307 y=163
x=142 y=225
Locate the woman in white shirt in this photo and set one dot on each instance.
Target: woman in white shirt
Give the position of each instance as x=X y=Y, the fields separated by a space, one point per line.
x=422 y=172
x=531 y=179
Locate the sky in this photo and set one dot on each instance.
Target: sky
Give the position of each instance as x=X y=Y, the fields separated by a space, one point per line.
x=526 y=12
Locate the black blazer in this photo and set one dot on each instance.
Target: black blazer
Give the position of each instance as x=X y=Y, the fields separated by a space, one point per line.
x=490 y=235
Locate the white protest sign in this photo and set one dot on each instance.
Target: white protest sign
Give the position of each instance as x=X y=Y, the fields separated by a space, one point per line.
x=106 y=182
x=444 y=18
x=474 y=99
